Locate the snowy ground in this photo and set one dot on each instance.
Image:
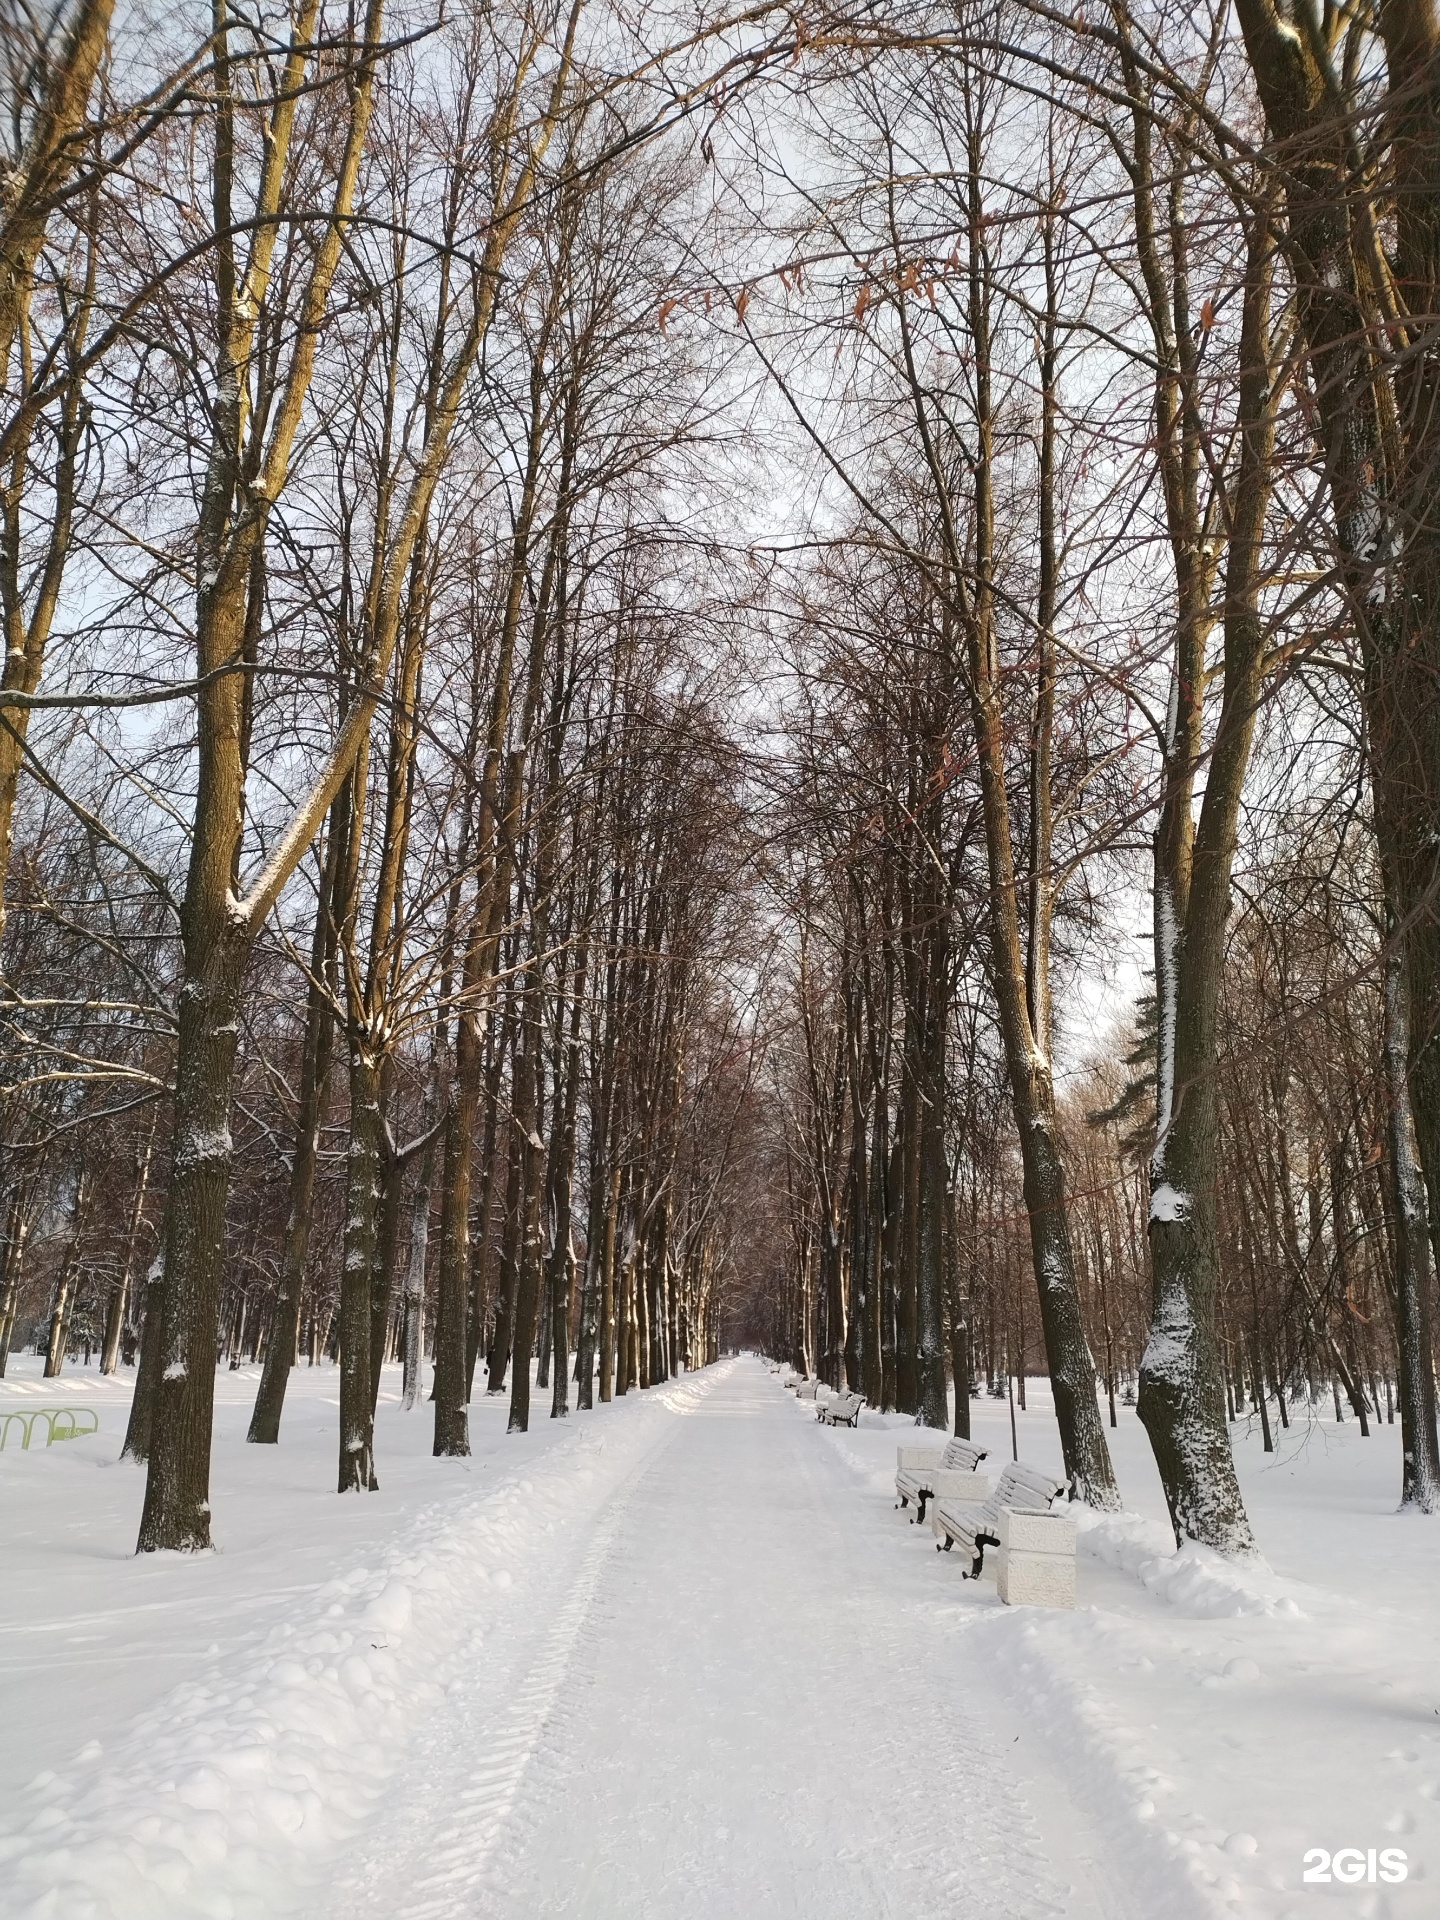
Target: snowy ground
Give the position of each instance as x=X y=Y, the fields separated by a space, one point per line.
x=682 y=1657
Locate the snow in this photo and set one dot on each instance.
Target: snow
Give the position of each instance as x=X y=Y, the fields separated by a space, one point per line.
x=199 y=1146
x=682 y=1656
x=1198 y=1581
x=1167 y=1204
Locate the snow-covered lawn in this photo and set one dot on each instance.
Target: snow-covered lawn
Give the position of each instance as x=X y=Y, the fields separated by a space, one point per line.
x=682 y=1657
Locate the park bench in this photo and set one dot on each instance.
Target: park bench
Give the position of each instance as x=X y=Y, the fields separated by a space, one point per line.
x=807 y=1389
x=924 y=1473
x=1037 y=1547
x=843 y=1410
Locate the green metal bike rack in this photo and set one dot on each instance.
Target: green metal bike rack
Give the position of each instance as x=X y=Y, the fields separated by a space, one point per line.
x=61 y=1423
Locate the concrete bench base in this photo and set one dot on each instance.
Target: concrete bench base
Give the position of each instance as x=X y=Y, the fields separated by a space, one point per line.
x=1036 y=1559
x=1035 y=1579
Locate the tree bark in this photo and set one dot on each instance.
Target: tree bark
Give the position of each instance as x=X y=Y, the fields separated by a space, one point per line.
x=362 y=1202
x=16 y=1234
x=1410 y=1262
x=120 y=1301
x=1181 y=1400
x=318 y=1046
x=147 y=1374
x=1380 y=428
x=530 y=1261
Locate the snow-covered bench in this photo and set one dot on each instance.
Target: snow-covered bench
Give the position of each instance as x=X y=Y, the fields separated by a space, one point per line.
x=807 y=1389
x=843 y=1410
x=924 y=1473
x=1037 y=1547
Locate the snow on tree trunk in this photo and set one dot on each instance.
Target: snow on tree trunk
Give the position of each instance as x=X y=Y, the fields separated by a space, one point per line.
x=357 y=1274
x=177 y=1492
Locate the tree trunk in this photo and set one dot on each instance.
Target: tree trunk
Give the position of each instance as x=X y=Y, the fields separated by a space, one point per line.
x=562 y=1180
x=874 y=1364
x=480 y=1261
x=498 y=1359
x=387 y=1262
x=934 y=1197
x=120 y=1303
x=17 y=1232
x=530 y=1261
x=280 y=1348
x=1181 y=1400
x=414 y=1336
x=607 y=1288
x=147 y=1374
x=1381 y=436
x=1020 y=968
x=176 y=1515
x=890 y=1254
x=452 y=1419
x=362 y=1202
x=1410 y=1285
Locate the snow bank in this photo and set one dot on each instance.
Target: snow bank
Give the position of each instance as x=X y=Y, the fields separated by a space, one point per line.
x=1194 y=1580
x=226 y=1800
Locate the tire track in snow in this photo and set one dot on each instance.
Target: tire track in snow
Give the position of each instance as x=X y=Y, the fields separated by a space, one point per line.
x=495 y=1720
x=482 y=1808
x=670 y=1783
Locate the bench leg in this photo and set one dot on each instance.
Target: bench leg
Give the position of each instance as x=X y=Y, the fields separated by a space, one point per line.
x=919 y=1519
x=944 y=1546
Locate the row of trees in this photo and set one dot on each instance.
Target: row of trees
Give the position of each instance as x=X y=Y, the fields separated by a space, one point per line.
x=599 y=638
x=371 y=947
x=1131 y=482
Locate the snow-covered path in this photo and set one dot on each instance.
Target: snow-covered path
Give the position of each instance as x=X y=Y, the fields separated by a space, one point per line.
x=680 y=1655
x=746 y=1695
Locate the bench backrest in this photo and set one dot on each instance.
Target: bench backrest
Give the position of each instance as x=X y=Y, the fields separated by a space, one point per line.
x=1024 y=1488
x=847 y=1400
x=961 y=1456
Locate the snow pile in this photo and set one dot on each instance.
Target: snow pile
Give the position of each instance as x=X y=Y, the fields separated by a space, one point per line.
x=1194 y=1580
x=228 y=1799
x=684 y=1393
x=236 y=1773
